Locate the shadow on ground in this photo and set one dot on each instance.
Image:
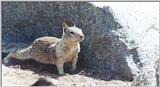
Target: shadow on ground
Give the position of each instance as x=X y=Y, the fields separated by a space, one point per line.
x=40 y=68
x=51 y=70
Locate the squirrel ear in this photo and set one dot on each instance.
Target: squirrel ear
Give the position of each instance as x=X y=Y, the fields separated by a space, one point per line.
x=65 y=27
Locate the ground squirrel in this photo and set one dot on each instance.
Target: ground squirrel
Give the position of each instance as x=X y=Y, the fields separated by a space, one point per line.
x=52 y=50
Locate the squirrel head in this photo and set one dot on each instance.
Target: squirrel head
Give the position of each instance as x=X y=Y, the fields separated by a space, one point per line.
x=72 y=33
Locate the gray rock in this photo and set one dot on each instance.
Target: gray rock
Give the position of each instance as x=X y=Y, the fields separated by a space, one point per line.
x=102 y=54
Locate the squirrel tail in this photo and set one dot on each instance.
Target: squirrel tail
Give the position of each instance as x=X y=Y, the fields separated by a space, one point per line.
x=21 y=55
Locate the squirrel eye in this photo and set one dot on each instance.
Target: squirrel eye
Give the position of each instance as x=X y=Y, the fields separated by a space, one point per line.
x=72 y=32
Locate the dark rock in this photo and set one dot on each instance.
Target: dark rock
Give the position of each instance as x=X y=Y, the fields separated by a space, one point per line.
x=102 y=52
x=43 y=82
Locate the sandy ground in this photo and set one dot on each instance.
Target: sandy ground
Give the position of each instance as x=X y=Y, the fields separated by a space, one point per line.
x=14 y=76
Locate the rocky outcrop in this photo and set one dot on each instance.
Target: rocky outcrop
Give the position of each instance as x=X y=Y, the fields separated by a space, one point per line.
x=102 y=53
x=106 y=52
x=140 y=33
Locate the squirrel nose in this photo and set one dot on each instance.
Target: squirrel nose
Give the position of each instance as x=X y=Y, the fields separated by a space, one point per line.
x=81 y=37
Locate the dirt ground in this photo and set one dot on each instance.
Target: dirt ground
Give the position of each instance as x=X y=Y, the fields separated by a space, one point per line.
x=26 y=73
